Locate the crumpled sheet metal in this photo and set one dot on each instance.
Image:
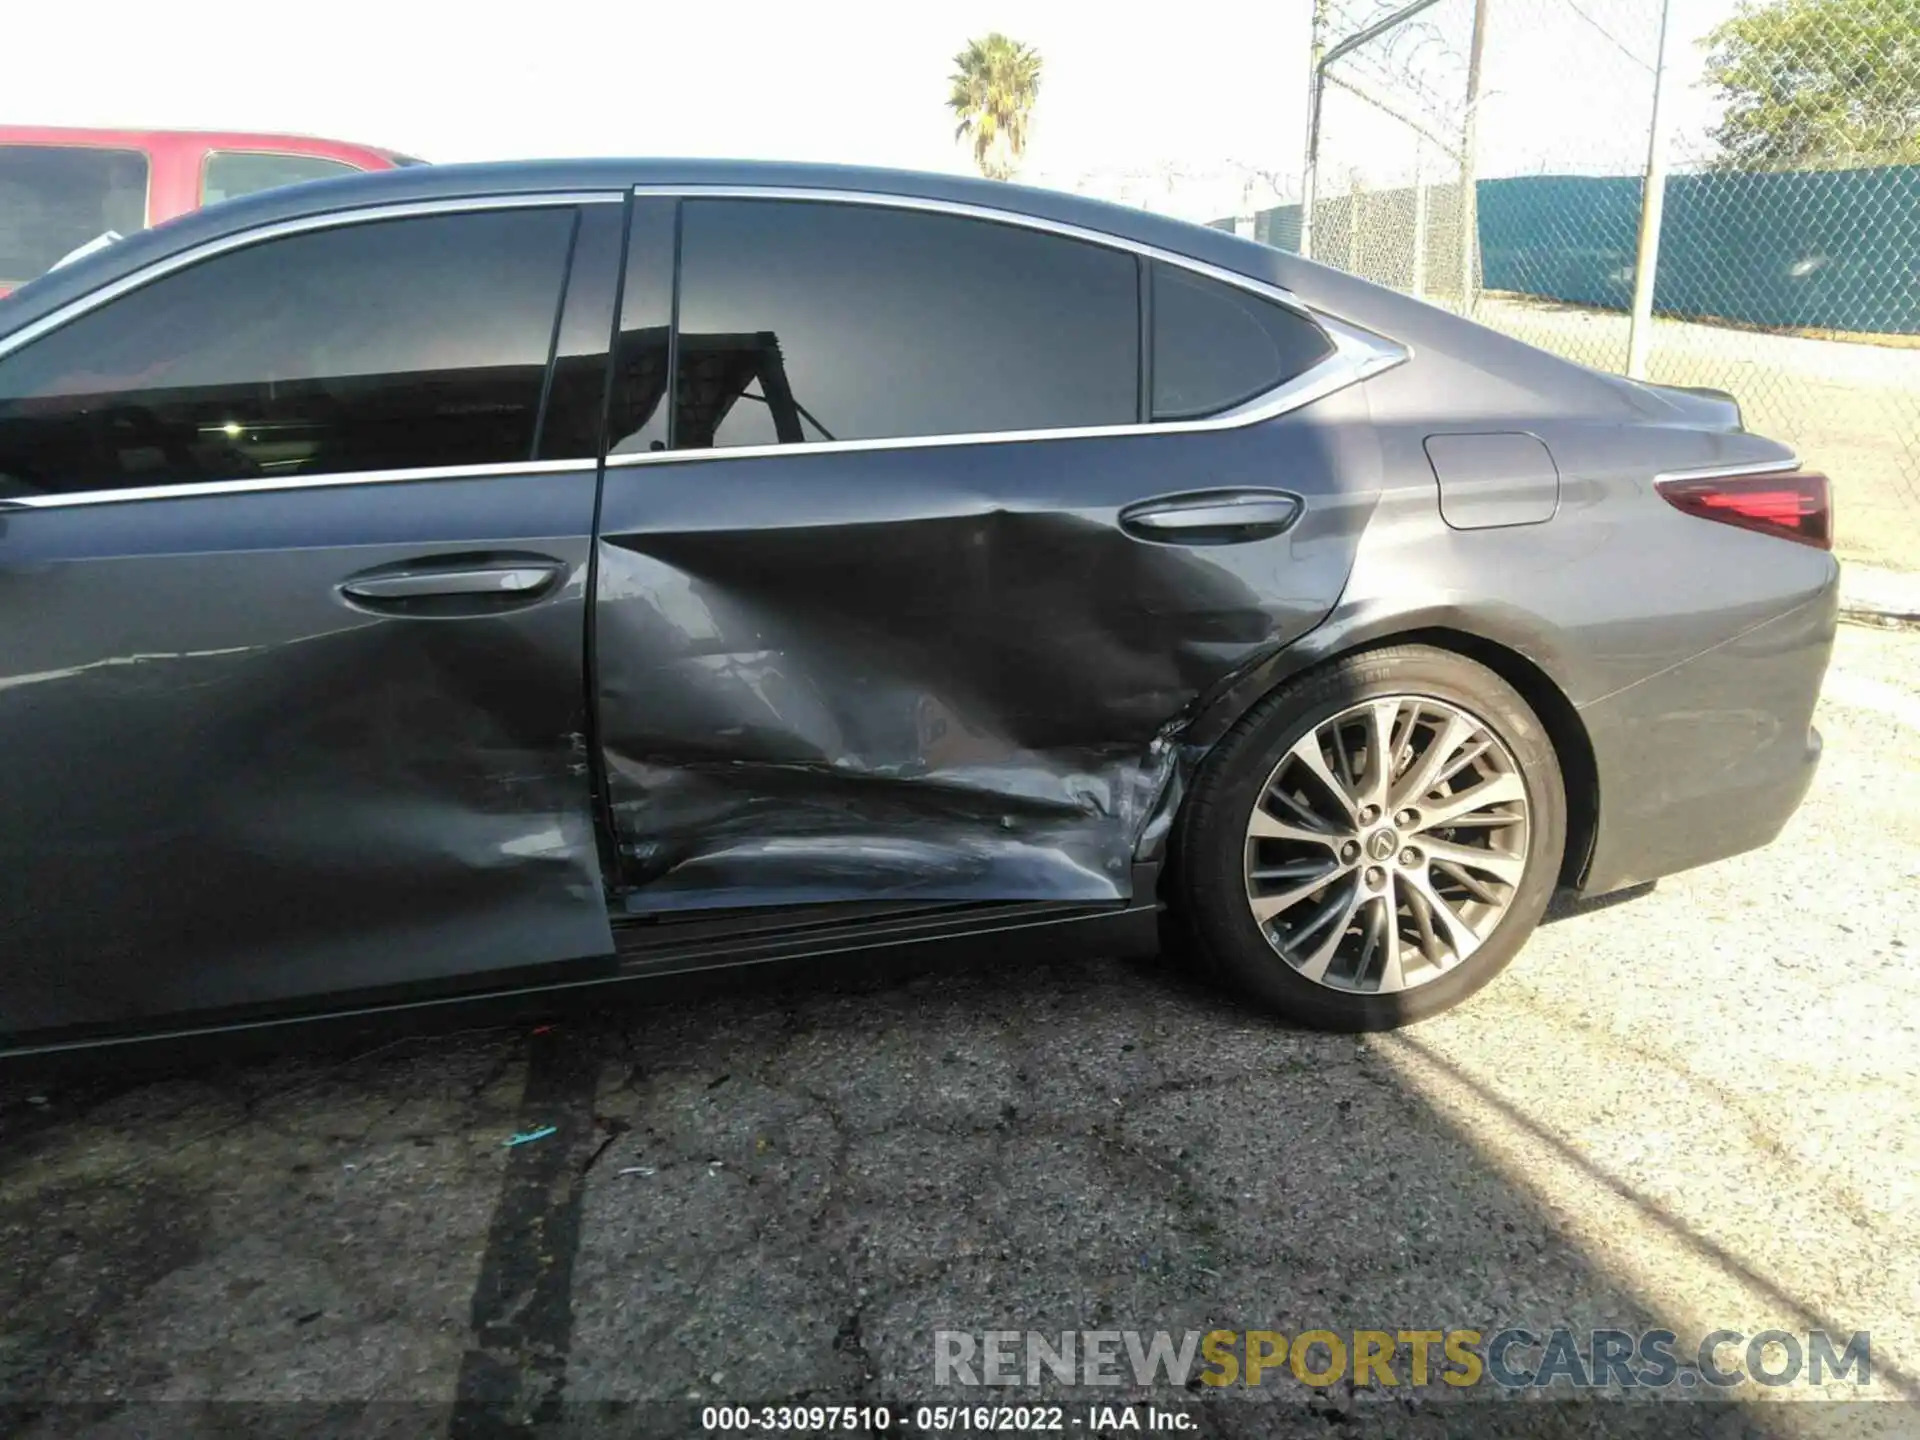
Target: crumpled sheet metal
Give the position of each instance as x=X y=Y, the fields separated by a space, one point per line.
x=969 y=706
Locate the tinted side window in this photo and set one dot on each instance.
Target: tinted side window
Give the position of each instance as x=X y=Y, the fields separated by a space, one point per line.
x=807 y=321
x=385 y=345
x=233 y=173
x=55 y=198
x=1216 y=346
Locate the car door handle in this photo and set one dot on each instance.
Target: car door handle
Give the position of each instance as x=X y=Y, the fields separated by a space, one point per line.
x=460 y=586
x=491 y=580
x=1212 y=517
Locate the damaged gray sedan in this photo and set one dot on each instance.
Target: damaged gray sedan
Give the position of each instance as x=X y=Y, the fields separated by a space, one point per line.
x=466 y=582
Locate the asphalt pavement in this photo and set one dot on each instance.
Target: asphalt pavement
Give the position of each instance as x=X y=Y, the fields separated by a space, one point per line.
x=1696 y=1110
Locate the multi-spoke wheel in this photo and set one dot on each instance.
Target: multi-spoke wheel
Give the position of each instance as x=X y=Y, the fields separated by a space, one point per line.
x=1388 y=831
x=1387 y=844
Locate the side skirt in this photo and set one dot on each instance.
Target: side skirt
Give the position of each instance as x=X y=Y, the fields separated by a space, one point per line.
x=680 y=946
x=681 y=954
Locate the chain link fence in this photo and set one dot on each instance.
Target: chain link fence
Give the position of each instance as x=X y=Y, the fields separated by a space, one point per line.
x=1780 y=168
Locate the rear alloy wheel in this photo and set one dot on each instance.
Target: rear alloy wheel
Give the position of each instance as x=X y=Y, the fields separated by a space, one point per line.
x=1376 y=841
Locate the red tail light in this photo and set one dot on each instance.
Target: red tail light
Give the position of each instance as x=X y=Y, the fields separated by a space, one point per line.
x=1795 y=505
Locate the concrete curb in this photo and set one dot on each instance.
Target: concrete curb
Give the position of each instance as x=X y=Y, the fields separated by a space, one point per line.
x=1873 y=596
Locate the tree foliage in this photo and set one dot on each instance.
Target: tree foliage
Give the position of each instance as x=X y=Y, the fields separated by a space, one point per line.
x=1818 y=83
x=995 y=82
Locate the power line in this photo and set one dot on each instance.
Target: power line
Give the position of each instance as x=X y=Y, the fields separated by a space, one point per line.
x=1610 y=37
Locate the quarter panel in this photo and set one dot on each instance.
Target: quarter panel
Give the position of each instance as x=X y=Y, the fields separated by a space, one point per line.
x=1617 y=587
x=1692 y=652
x=1711 y=757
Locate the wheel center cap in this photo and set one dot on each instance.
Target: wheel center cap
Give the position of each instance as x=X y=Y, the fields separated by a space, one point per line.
x=1383 y=844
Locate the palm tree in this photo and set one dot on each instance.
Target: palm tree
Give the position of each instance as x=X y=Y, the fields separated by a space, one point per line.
x=995 y=83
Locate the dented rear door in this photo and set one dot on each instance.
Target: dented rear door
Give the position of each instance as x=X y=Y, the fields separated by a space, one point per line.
x=903 y=601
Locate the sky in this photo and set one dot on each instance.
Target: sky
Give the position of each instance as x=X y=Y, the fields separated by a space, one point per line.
x=1185 y=108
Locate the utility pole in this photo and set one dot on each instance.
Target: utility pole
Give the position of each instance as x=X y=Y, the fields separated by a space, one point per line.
x=1356 y=213
x=1653 y=202
x=1469 y=201
x=1316 y=50
x=1419 y=283
x=1319 y=59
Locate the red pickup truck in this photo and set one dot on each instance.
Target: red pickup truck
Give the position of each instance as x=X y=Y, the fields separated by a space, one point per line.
x=60 y=189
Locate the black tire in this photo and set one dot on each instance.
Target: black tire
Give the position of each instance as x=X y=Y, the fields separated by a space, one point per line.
x=1208 y=891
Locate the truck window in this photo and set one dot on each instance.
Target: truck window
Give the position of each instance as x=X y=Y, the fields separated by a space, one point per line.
x=55 y=198
x=230 y=174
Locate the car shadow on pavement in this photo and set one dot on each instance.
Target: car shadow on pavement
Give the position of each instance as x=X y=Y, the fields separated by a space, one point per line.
x=778 y=1194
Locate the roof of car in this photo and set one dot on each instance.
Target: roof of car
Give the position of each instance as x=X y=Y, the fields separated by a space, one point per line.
x=1410 y=321
x=443 y=182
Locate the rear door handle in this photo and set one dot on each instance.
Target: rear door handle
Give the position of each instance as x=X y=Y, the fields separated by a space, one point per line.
x=491 y=580
x=1212 y=517
x=464 y=586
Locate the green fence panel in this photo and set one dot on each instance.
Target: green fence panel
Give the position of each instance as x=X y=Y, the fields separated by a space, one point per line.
x=1804 y=249
x=1798 y=249
x=1564 y=237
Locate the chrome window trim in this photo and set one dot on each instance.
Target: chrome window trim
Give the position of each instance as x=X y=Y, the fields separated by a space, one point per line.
x=1358 y=354
x=293 y=482
x=1729 y=472
x=295 y=225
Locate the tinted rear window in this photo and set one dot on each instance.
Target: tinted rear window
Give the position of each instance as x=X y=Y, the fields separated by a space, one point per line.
x=1216 y=346
x=55 y=198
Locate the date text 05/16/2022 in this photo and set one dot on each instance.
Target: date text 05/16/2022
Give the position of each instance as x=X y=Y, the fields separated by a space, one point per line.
x=934 y=1419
